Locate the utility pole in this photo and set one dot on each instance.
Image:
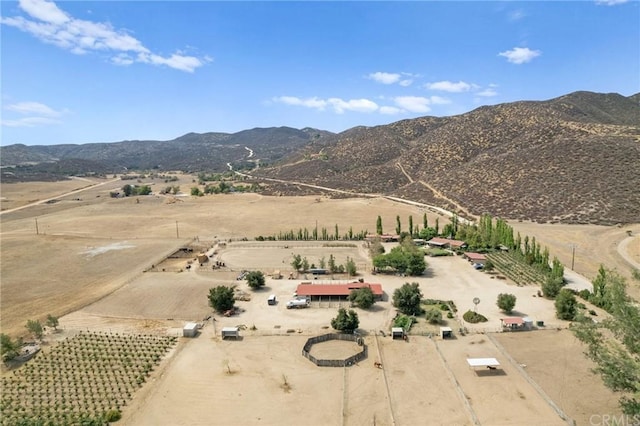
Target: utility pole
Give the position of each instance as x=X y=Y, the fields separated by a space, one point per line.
x=177 y=232
x=37 y=231
x=573 y=255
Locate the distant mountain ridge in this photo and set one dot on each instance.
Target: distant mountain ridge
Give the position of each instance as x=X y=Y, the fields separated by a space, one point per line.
x=572 y=159
x=190 y=152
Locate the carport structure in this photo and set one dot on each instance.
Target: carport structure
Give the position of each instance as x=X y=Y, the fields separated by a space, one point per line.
x=490 y=363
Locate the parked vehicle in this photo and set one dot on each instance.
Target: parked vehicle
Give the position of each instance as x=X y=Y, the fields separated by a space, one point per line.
x=297 y=304
x=272 y=300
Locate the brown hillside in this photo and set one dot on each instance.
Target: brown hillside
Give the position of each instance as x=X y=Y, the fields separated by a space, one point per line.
x=573 y=159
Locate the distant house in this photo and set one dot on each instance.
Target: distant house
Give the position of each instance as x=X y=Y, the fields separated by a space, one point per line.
x=385 y=238
x=476 y=258
x=446 y=243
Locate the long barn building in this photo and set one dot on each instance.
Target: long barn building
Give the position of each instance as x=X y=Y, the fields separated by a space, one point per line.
x=319 y=292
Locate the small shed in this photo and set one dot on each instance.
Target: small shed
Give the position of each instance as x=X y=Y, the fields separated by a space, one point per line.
x=190 y=329
x=512 y=323
x=231 y=332
x=202 y=258
x=397 y=333
x=446 y=332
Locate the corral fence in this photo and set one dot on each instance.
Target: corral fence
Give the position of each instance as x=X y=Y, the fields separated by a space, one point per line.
x=335 y=362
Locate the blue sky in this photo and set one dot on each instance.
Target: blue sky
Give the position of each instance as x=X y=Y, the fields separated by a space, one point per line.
x=83 y=72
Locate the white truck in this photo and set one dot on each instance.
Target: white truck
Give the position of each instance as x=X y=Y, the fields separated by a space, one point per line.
x=297 y=304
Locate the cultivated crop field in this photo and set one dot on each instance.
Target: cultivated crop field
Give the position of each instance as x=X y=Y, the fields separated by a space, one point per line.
x=89 y=263
x=88 y=377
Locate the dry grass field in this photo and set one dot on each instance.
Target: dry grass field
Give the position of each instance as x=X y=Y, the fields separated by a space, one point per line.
x=86 y=263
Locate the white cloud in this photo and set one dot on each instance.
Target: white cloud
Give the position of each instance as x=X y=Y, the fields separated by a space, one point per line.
x=449 y=86
x=384 y=77
x=314 y=102
x=45 y=11
x=337 y=104
x=487 y=93
x=390 y=110
x=38 y=114
x=610 y=2
x=413 y=103
x=37 y=108
x=437 y=100
x=520 y=55
x=358 y=105
x=52 y=25
x=405 y=83
x=30 y=122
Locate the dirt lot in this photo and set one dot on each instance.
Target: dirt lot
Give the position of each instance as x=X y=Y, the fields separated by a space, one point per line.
x=83 y=258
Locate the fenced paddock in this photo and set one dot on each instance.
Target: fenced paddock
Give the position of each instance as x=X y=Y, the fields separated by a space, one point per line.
x=322 y=362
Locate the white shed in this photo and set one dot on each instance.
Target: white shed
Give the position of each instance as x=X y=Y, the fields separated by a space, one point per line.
x=230 y=332
x=446 y=332
x=190 y=329
x=397 y=333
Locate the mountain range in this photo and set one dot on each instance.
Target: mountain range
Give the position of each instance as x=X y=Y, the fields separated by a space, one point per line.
x=571 y=159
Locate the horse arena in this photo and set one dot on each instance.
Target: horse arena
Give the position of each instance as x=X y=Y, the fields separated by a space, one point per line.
x=104 y=274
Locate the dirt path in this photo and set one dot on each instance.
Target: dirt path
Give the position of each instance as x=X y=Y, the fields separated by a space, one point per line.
x=75 y=191
x=627 y=247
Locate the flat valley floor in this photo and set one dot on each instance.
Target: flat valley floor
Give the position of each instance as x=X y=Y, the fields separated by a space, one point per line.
x=97 y=262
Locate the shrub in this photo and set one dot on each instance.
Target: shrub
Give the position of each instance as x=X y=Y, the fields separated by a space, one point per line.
x=407 y=299
x=566 y=305
x=506 y=302
x=584 y=294
x=404 y=321
x=362 y=297
x=474 y=317
x=434 y=316
x=449 y=315
x=112 y=416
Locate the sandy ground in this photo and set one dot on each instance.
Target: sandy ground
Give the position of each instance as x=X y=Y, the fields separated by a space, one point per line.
x=220 y=379
x=85 y=260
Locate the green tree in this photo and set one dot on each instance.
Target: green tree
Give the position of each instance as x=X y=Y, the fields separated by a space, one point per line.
x=379 y=226
x=599 y=296
x=614 y=346
x=333 y=268
x=398 y=225
x=255 y=279
x=35 y=328
x=221 y=298
x=433 y=316
x=407 y=299
x=195 y=191
x=350 y=267
x=127 y=190
x=8 y=347
x=142 y=190
x=551 y=287
x=411 y=230
x=566 y=305
x=305 y=264
x=296 y=262
x=52 y=322
x=506 y=302
x=347 y=322
x=363 y=297
x=405 y=258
